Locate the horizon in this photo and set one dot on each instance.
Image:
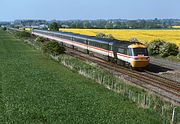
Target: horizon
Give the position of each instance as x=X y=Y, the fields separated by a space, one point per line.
x=91 y=19
x=88 y=10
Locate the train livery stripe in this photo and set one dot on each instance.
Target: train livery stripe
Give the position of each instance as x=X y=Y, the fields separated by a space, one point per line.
x=91 y=48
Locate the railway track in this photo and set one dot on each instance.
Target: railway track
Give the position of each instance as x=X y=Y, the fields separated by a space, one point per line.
x=168 y=89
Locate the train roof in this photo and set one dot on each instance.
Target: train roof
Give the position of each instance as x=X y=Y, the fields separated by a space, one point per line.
x=115 y=42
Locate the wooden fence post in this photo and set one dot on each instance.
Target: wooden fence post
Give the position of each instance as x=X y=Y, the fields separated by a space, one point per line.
x=174 y=116
x=145 y=99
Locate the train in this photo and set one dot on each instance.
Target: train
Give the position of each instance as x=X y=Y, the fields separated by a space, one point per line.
x=130 y=54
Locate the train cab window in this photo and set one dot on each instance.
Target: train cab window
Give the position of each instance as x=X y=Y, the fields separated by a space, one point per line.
x=139 y=51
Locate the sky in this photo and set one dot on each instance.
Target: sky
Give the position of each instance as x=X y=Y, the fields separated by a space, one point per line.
x=88 y=9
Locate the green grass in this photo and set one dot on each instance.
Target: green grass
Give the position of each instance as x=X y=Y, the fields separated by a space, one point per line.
x=35 y=89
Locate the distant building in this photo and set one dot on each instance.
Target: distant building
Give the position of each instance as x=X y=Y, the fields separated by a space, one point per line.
x=64 y=26
x=43 y=26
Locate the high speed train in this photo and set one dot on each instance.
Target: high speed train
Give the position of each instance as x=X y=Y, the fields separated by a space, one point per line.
x=131 y=54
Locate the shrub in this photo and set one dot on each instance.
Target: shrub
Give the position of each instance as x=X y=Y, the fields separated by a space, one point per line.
x=168 y=49
x=104 y=36
x=23 y=34
x=178 y=56
x=4 y=28
x=154 y=47
x=133 y=39
x=110 y=36
x=100 y=35
x=40 y=39
x=53 y=48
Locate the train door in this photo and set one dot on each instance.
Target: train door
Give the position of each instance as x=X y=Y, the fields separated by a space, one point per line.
x=115 y=54
x=87 y=48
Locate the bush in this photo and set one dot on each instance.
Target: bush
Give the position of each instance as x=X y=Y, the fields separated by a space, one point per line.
x=100 y=35
x=110 y=36
x=4 y=28
x=178 y=56
x=104 y=36
x=23 y=34
x=168 y=49
x=53 y=48
x=154 y=47
x=133 y=39
x=165 y=49
x=40 y=39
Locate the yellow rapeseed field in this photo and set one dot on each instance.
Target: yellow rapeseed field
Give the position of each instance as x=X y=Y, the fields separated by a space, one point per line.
x=143 y=36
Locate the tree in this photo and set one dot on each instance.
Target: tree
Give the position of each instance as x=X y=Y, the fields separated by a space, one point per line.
x=86 y=24
x=54 y=26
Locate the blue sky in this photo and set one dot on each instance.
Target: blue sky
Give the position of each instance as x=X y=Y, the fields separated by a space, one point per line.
x=88 y=9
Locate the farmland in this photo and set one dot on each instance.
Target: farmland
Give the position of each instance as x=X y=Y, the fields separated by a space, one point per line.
x=172 y=36
x=35 y=89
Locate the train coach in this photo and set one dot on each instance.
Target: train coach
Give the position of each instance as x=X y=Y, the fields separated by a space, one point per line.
x=131 y=54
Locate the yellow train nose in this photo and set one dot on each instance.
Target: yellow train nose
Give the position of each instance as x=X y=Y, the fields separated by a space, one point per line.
x=140 y=62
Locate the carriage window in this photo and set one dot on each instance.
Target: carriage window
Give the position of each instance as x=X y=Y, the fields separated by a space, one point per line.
x=121 y=50
x=110 y=47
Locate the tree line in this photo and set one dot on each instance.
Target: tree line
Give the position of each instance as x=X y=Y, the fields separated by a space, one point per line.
x=104 y=24
x=121 y=24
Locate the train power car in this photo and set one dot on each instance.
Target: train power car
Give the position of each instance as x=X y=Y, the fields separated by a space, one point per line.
x=132 y=54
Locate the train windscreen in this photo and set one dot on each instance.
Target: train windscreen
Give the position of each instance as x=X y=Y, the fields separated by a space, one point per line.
x=139 y=52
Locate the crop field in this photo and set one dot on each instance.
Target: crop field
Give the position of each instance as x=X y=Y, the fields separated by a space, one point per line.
x=35 y=89
x=143 y=36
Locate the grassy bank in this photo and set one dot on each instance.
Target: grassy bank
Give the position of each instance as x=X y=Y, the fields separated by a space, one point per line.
x=35 y=89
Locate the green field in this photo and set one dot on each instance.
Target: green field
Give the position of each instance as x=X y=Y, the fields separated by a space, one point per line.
x=35 y=89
